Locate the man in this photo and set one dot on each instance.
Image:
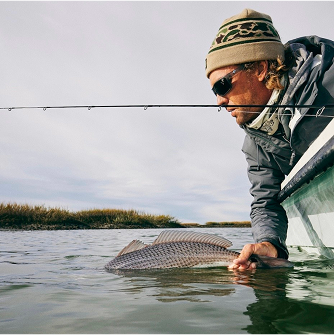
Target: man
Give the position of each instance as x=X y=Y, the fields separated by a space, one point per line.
x=247 y=64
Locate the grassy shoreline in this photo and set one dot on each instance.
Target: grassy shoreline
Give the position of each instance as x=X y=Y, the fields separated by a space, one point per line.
x=25 y=217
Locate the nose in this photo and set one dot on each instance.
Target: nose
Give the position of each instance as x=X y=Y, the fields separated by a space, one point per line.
x=221 y=100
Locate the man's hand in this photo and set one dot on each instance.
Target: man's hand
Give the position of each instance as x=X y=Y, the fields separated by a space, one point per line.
x=243 y=262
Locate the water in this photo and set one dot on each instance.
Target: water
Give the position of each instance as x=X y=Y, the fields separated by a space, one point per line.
x=55 y=282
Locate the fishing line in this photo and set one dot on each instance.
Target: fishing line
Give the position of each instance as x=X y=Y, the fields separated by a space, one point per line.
x=319 y=113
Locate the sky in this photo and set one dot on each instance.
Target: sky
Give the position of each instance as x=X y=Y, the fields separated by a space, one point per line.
x=182 y=162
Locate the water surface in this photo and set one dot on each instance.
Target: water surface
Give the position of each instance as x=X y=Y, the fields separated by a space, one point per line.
x=55 y=282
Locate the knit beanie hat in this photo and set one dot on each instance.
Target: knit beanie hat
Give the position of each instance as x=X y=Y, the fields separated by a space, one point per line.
x=247 y=37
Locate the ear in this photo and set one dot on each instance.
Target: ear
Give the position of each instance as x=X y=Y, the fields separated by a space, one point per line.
x=262 y=70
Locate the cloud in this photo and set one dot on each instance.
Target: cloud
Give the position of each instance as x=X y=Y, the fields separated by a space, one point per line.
x=185 y=162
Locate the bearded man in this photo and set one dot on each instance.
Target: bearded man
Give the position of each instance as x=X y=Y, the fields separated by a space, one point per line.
x=247 y=64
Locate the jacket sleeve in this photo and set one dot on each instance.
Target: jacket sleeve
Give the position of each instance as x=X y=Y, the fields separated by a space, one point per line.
x=269 y=220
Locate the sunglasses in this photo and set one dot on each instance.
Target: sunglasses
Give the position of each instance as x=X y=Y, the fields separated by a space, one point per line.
x=224 y=85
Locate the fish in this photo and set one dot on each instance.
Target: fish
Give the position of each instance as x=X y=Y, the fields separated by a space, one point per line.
x=184 y=249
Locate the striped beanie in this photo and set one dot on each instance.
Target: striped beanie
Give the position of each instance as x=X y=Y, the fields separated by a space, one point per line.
x=247 y=37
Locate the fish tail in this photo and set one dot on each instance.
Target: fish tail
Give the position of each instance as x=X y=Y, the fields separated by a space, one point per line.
x=265 y=262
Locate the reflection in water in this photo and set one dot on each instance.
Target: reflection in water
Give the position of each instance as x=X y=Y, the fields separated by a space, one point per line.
x=181 y=284
x=274 y=309
x=293 y=304
x=185 y=278
x=277 y=314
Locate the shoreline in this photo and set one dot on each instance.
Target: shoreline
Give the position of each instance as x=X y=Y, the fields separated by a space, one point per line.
x=26 y=217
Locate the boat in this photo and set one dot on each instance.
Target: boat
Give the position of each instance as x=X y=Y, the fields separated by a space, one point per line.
x=307 y=195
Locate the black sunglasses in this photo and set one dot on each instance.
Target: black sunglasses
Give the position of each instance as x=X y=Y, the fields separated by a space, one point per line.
x=224 y=85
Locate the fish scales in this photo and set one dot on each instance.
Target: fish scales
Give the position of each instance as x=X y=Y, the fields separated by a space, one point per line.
x=173 y=255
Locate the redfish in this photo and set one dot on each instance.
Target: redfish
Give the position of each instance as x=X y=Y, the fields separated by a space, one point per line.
x=183 y=249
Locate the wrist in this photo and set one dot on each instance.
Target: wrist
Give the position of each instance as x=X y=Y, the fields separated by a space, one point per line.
x=271 y=249
x=281 y=249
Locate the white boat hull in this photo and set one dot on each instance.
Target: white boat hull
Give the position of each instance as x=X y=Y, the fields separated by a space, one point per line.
x=311 y=215
x=308 y=198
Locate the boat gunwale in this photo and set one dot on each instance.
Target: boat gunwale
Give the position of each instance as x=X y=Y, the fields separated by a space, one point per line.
x=318 y=164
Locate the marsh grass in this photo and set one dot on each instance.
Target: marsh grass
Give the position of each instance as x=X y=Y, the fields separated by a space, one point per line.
x=24 y=216
x=228 y=223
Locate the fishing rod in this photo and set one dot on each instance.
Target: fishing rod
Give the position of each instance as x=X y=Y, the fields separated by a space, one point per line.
x=320 y=108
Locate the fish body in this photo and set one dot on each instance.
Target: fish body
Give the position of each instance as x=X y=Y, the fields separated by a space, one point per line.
x=183 y=249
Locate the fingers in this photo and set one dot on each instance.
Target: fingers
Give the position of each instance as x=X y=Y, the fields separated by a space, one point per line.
x=243 y=262
x=245 y=254
x=242 y=266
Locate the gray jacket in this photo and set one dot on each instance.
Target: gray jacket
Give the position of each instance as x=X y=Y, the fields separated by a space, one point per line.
x=270 y=158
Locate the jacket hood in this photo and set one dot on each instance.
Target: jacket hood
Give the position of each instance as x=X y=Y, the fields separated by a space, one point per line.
x=304 y=50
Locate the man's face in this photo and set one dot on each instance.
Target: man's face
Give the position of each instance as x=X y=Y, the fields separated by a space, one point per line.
x=248 y=88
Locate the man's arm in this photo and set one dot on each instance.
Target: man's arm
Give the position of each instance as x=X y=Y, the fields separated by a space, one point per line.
x=269 y=220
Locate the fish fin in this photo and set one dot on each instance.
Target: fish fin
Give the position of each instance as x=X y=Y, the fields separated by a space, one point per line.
x=132 y=246
x=189 y=236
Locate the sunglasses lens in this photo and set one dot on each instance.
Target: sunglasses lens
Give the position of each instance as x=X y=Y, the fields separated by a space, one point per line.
x=221 y=87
